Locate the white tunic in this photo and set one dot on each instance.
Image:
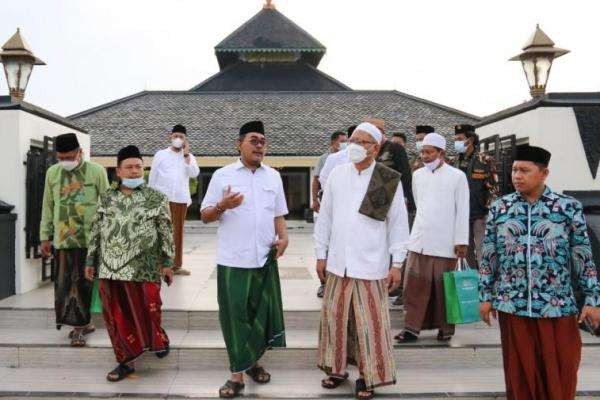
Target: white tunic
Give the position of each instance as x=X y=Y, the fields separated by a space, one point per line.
x=332 y=161
x=170 y=174
x=442 y=219
x=355 y=245
x=246 y=233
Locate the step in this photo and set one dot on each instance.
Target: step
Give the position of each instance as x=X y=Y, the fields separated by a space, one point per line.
x=47 y=348
x=290 y=383
x=36 y=318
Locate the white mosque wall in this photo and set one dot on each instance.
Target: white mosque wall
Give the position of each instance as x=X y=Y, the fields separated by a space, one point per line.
x=555 y=129
x=18 y=131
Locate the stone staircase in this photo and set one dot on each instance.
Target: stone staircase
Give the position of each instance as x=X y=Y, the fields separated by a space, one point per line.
x=35 y=360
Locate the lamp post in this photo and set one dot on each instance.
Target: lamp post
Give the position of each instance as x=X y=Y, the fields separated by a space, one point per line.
x=536 y=58
x=18 y=62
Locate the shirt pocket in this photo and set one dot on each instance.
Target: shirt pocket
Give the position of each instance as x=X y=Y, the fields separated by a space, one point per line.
x=268 y=195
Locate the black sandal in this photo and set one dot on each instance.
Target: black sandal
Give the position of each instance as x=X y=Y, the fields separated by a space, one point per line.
x=163 y=353
x=331 y=382
x=259 y=374
x=443 y=338
x=85 y=331
x=406 y=337
x=361 y=387
x=77 y=340
x=235 y=387
x=121 y=372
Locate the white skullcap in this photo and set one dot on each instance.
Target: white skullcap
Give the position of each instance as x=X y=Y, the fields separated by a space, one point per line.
x=435 y=140
x=371 y=130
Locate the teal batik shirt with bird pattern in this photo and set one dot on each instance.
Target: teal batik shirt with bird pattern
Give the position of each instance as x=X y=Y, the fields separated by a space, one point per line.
x=132 y=235
x=531 y=252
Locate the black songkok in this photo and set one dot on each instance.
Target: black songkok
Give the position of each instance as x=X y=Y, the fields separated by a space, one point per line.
x=179 y=129
x=351 y=129
x=533 y=154
x=464 y=128
x=252 y=126
x=424 y=129
x=66 y=142
x=126 y=152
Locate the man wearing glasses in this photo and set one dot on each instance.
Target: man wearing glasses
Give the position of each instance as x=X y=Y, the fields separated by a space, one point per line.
x=247 y=199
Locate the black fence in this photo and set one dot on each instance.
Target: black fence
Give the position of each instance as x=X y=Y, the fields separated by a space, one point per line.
x=38 y=161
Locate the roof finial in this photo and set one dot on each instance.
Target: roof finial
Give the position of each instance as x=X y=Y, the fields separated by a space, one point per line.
x=269 y=5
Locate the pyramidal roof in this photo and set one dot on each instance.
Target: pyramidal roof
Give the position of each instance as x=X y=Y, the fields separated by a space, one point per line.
x=269 y=30
x=539 y=38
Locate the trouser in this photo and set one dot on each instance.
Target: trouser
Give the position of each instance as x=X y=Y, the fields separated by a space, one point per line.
x=178 y=212
x=476 y=234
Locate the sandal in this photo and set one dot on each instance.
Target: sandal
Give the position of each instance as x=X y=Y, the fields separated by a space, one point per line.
x=406 y=337
x=121 y=372
x=258 y=374
x=331 y=382
x=231 y=389
x=85 y=331
x=163 y=353
x=443 y=338
x=361 y=387
x=77 y=340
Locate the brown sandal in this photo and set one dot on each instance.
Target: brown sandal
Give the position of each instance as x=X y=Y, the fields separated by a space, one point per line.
x=231 y=389
x=77 y=340
x=86 y=331
x=259 y=374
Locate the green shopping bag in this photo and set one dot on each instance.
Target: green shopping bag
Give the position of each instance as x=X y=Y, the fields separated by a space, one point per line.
x=461 y=292
x=96 y=304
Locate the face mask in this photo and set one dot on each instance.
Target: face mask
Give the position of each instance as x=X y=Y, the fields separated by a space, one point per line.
x=459 y=147
x=356 y=153
x=419 y=145
x=132 y=183
x=69 y=165
x=177 y=143
x=343 y=145
x=433 y=165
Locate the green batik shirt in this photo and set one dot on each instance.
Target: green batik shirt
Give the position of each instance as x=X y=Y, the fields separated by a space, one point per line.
x=69 y=204
x=132 y=235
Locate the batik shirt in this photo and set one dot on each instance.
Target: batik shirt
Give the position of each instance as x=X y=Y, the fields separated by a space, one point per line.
x=132 y=235
x=69 y=204
x=531 y=251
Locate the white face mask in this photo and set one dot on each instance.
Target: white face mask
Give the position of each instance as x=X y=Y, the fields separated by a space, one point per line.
x=343 y=145
x=356 y=153
x=177 y=143
x=433 y=165
x=69 y=165
x=419 y=145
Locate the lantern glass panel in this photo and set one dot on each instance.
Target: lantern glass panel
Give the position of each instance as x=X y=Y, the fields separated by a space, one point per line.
x=542 y=65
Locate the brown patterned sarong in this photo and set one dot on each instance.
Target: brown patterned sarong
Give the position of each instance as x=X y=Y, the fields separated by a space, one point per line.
x=355 y=329
x=72 y=292
x=423 y=293
x=541 y=357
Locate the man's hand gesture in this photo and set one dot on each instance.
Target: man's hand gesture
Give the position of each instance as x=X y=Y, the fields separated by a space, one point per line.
x=231 y=199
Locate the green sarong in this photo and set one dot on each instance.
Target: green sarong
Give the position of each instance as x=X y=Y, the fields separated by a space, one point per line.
x=250 y=312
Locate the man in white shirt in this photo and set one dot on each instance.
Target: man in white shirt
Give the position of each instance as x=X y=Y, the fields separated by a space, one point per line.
x=170 y=174
x=363 y=221
x=247 y=199
x=439 y=235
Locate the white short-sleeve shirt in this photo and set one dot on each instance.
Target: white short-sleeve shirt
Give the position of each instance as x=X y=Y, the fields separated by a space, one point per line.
x=247 y=232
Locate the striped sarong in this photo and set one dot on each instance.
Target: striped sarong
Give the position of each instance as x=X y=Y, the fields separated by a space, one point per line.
x=250 y=312
x=355 y=329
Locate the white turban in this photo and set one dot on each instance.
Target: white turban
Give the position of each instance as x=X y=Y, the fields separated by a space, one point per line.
x=371 y=130
x=435 y=140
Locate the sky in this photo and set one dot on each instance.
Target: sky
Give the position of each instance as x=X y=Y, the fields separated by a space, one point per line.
x=454 y=52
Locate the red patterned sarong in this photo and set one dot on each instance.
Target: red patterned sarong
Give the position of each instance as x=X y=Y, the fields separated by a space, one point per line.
x=132 y=313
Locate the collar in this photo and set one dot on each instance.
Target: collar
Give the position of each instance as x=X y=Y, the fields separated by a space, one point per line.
x=367 y=170
x=548 y=194
x=239 y=165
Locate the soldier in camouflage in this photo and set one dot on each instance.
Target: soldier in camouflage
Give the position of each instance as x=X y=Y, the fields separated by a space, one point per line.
x=483 y=185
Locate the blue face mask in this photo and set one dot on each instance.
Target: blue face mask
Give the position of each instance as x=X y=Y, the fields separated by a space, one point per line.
x=459 y=147
x=132 y=183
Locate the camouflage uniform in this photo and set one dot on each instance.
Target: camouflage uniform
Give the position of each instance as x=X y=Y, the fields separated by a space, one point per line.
x=480 y=170
x=416 y=162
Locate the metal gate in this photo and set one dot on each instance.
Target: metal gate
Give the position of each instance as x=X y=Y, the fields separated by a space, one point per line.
x=504 y=150
x=39 y=159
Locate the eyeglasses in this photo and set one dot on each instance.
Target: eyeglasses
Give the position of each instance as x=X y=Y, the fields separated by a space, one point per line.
x=363 y=143
x=255 y=142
